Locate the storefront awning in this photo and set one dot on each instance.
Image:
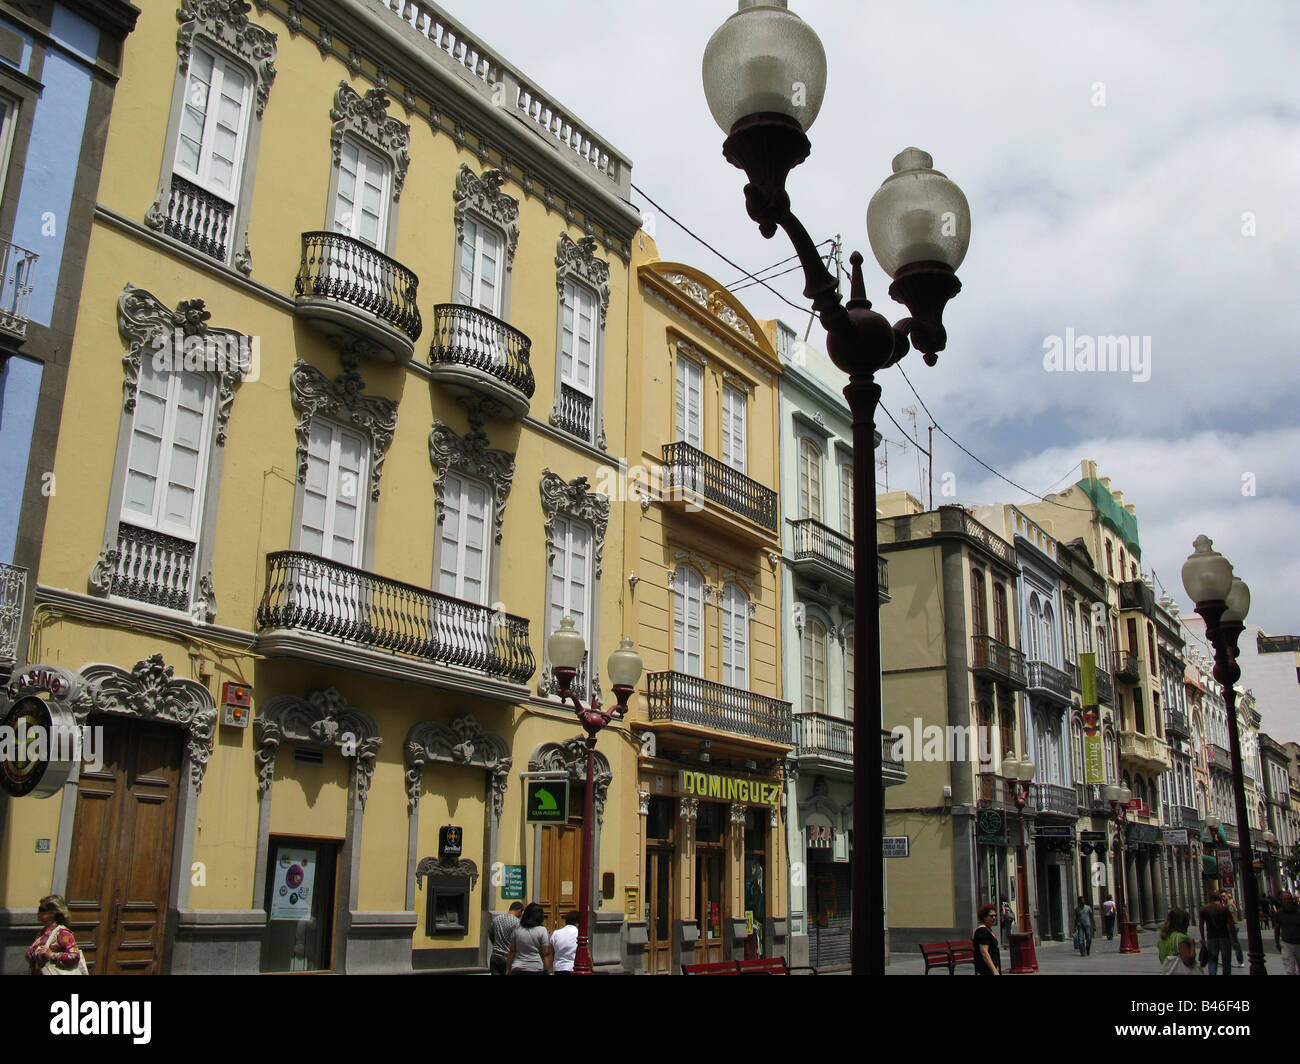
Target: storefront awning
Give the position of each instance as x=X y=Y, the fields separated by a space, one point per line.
x=1209 y=866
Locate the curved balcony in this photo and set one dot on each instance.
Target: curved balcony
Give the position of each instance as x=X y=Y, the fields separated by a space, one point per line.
x=475 y=354
x=362 y=300
x=322 y=610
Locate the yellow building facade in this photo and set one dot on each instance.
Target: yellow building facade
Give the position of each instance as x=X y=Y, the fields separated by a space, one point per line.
x=350 y=361
x=701 y=540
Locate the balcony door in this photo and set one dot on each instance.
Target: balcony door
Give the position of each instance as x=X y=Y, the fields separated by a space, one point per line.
x=361 y=198
x=330 y=527
x=734 y=403
x=735 y=637
x=688 y=621
x=214 y=126
x=478 y=285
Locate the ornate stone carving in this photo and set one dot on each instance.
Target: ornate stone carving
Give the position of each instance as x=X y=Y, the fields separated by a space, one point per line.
x=573 y=500
x=689 y=811
x=314 y=393
x=226 y=23
x=462 y=868
x=323 y=718
x=103 y=571
x=725 y=312
x=150 y=692
x=738 y=810
x=367 y=117
x=483 y=195
x=471 y=455
x=570 y=757
x=180 y=337
x=643 y=803
x=463 y=742
x=577 y=261
x=206 y=605
x=694 y=291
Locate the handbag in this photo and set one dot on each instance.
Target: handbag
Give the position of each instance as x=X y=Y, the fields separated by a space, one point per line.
x=1203 y=958
x=50 y=968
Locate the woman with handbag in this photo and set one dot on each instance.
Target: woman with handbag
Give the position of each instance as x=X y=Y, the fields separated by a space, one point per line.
x=55 y=951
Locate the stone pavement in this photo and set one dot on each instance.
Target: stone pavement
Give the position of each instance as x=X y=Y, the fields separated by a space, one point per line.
x=1061 y=958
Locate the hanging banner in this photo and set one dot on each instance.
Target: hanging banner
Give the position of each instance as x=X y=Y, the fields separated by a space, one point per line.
x=1094 y=762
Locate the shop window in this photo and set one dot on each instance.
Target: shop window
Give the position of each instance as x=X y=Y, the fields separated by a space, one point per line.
x=756 y=828
x=300 y=906
x=660 y=819
x=708 y=825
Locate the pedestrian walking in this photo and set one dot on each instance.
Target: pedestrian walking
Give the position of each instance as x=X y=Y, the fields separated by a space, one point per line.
x=565 y=944
x=988 y=959
x=1083 y=927
x=1216 y=932
x=1108 y=916
x=55 y=951
x=1173 y=932
x=1286 y=933
x=501 y=935
x=1234 y=928
x=1008 y=922
x=530 y=948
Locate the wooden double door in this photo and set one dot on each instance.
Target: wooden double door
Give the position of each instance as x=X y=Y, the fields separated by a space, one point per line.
x=558 y=883
x=121 y=862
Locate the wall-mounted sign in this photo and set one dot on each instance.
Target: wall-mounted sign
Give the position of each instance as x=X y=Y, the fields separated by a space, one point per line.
x=897 y=845
x=40 y=746
x=547 y=801
x=1175 y=836
x=1092 y=836
x=991 y=827
x=631 y=902
x=450 y=841
x=821 y=836
x=729 y=788
x=1054 y=831
x=513 y=879
x=1088 y=679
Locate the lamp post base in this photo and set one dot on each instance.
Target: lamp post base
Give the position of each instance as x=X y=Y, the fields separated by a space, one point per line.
x=1128 y=938
x=1024 y=959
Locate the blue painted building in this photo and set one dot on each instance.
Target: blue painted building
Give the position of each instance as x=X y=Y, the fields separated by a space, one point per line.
x=59 y=64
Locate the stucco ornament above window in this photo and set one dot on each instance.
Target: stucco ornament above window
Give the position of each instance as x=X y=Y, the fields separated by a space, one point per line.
x=367 y=118
x=463 y=742
x=323 y=718
x=226 y=22
x=576 y=260
x=180 y=338
x=713 y=302
x=483 y=195
x=471 y=455
x=572 y=499
x=341 y=399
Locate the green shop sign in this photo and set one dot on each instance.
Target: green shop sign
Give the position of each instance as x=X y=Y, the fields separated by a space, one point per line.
x=547 y=802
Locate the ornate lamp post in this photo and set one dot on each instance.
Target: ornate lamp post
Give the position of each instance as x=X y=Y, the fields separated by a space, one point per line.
x=1223 y=600
x=764 y=78
x=566 y=649
x=1119 y=796
x=1020 y=774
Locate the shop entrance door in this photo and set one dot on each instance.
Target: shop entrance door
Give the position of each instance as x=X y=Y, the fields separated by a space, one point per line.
x=301 y=882
x=120 y=865
x=659 y=911
x=710 y=901
x=558 y=886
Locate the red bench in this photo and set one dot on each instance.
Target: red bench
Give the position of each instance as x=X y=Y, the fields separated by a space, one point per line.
x=937 y=955
x=756 y=966
x=961 y=953
x=718 y=968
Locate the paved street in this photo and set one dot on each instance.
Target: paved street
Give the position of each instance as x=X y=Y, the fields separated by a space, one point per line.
x=1060 y=958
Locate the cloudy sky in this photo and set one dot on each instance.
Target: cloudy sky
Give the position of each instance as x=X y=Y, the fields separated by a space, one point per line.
x=1132 y=170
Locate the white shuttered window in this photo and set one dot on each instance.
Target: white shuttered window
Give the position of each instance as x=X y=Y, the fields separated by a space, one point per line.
x=733 y=427
x=466 y=525
x=735 y=636
x=361 y=202
x=688 y=621
x=577 y=337
x=333 y=501
x=690 y=399
x=211 y=144
x=571 y=572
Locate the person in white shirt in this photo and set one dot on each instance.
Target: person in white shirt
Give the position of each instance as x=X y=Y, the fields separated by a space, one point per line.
x=565 y=944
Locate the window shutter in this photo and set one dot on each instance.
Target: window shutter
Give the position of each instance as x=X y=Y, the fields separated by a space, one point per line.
x=466 y=525
x=733 y=427
x=690 y=382
x=735 y=637
x=209 y=149
x=688 y=621
x=333 y=494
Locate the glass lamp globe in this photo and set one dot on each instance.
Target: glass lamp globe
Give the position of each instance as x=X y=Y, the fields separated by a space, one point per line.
x=566 y=647
x=1238 y=600
x=1207 y=574
x=1010 y=766
x=1110 y=792
x=624 y=665
x=918 y=215
x=764 y=60
x=1026 y=771
x=1125 y=795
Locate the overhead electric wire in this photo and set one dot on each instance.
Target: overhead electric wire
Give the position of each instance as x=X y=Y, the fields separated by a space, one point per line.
x=743 y=282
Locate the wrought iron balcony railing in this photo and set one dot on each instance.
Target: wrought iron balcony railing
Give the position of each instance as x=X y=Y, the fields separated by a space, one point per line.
x=13 y=590
x=307 y=593
x=1090 y=799
x=1055 y=798
x=816 y=541
x=1105 y=687
x=345 y=270
x=997 y=658
x=1218 y=757
x=573 y=413
x=17 y=276
x=882 y=577
x=151 y=567
x=467 y=336
x=685 y=699
x=992 y=789
x=1126 y=666
x=198 y=219
x=1184 y=816
x=819 y=735
x=1176 y=723
x=1043 y=676
x=694 y=474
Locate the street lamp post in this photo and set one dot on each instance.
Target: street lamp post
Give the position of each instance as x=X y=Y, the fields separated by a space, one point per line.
x=1223 y=600
x=764 y=79
x=1020 y=774
x=1119 y=796
x=566 y=649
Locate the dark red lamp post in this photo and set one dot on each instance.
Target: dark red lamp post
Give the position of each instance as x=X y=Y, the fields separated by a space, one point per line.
x=1024 y=959
x=566 y=649
x=764 y=78
x=1223 y=600
x=1119 y=796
